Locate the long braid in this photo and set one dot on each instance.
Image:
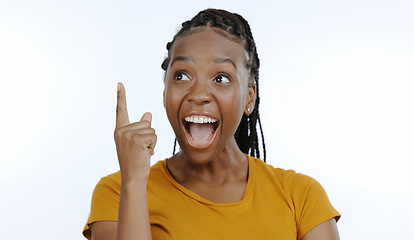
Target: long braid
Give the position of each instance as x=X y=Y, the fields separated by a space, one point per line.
x=175 y=144
x=236 y=26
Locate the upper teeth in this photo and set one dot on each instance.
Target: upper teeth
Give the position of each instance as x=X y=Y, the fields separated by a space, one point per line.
x=200 y=119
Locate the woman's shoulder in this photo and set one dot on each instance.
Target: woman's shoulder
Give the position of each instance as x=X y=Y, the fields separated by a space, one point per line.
x=288 y=178
x=112 y=178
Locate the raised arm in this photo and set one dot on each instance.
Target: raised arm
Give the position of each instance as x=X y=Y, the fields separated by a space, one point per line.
x=135 y=144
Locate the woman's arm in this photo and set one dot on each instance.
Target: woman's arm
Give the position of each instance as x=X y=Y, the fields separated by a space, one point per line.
x=324 y=231
x=135 y=144
x=104 y=230
x=133 y=218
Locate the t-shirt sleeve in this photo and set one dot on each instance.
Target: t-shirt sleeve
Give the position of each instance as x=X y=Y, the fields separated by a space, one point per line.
x=312 y=206
x=105 y=202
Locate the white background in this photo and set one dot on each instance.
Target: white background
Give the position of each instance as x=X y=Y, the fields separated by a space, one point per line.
x=336 y=79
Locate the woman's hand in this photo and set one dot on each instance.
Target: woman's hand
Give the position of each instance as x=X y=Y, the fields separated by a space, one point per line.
x=135 y=142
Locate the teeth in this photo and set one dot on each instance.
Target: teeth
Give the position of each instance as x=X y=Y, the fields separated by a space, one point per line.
x=200 y=119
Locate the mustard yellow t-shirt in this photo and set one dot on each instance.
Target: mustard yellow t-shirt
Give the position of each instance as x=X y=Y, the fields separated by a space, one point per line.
x=277 y=204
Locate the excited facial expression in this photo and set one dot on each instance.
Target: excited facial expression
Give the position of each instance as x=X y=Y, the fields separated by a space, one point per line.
x=206 y=92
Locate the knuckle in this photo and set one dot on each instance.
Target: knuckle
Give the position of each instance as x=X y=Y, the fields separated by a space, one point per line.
x=117 y=133
x=118 y=108
x=146 y=124
x=128 y=135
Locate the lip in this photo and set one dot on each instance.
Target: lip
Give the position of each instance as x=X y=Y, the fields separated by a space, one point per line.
x=187 y=135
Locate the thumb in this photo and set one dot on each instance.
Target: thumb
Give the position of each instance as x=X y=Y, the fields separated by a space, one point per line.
x=147 y=117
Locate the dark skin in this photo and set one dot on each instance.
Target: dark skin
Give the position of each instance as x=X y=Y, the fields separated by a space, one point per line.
x=213 y=81
x=207 y=76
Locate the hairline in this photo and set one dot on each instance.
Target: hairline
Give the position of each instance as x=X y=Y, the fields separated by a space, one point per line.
x=243 y=42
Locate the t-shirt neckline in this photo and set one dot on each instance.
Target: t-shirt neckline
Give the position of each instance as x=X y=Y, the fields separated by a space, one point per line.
x=247 y=192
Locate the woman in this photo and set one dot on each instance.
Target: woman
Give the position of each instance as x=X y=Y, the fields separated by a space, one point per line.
x=210 y=189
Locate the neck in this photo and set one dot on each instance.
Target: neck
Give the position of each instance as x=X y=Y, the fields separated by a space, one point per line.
x=228 y=165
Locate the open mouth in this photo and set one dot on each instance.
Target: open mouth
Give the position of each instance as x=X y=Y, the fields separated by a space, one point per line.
x=200 y=131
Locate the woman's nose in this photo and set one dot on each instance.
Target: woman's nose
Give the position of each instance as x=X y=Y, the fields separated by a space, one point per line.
x=199 y=93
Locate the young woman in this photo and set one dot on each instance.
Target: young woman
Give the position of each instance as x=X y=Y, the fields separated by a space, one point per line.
x=212 y=188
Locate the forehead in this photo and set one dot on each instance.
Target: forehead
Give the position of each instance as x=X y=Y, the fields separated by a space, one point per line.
x=208 y=44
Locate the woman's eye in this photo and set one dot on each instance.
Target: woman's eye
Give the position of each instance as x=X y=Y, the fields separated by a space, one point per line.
x=181 y=77
x=221 y=79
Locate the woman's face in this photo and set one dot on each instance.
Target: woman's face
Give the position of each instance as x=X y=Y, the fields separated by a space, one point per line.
x=206 y=92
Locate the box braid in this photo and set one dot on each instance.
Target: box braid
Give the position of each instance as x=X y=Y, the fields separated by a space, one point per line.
x=238 y=30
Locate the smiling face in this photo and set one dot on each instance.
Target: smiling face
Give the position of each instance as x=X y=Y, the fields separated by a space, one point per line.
x=206 y=93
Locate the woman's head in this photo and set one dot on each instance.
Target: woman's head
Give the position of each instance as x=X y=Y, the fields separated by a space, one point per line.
x=236 y=29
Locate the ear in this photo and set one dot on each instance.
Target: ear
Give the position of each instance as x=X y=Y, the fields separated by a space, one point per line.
x=250 y=100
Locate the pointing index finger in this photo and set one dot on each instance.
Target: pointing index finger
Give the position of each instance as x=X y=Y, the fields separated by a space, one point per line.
x=122 y=118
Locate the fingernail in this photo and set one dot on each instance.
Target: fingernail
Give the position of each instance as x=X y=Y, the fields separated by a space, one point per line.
x=119 y=86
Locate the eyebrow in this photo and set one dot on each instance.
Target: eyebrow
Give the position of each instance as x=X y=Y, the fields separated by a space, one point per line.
x=181 y=58
x=225 y=60
x=217 y=60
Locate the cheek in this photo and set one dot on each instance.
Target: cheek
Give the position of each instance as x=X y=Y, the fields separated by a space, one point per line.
x=169 y=102
x=172 y=105
x=236 y=98
x=234 y=101
x=233 y=104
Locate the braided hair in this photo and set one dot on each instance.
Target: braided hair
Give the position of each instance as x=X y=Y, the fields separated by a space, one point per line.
x=238 y=30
